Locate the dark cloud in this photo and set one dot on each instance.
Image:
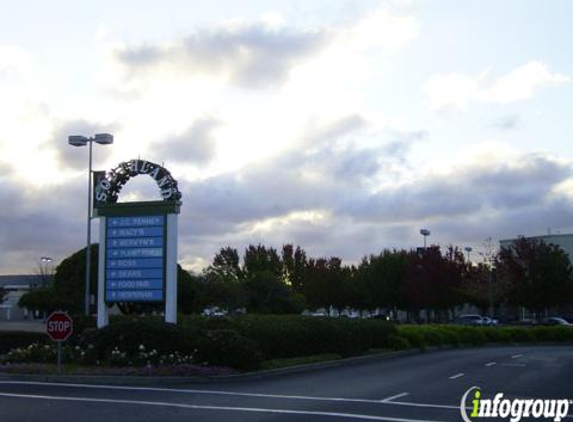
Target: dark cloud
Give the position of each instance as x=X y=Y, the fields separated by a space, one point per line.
x=327 y=176
x=498 y=187
x=196 y=145
x=49 y=221
x=504 y=198
x=77 y=157
x=250 y=55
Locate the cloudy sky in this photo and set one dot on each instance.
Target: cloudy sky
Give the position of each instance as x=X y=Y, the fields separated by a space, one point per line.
x=341 y=126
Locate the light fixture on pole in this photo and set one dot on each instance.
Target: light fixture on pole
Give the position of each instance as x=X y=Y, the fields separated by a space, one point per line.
x=468 y=250
x=425 y=233
x=82 y=141
x=43 y=269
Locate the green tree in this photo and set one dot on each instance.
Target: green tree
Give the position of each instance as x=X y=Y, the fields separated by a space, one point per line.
x=294 y=266
x=538 y=274
x=382 y=278
x=328 y=284
x=266 y=289
x=223 y=281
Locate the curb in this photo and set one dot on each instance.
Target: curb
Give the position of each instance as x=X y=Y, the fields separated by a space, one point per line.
x=269 y=373
x=255 y=375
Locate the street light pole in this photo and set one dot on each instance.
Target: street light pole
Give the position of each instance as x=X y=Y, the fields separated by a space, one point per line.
x=89 y=236
x=425 y=233
x=44 y=272
x=468 y=250
x=80 y=141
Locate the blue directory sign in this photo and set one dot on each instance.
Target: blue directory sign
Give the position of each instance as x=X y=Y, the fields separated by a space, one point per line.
x=135 y=259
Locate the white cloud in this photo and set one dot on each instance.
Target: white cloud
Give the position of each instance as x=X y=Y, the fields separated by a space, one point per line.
x=456 y=90
x=521 y=83
x=452 y=90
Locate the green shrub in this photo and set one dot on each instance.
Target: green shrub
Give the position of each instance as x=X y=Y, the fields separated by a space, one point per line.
x=227 y=348
x=287 y=336
x=14 y=339
x=414 y=335
x=207 y=323
x=396 y=342
x=129 y=336
x=81 y=324
x=552 y=333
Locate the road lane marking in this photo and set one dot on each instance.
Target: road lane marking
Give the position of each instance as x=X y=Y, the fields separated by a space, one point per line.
x=225 y=393
x=453 y=377
x=397 y=396
x=516 y=356
x=220 y=408
x=431 y=405
x=190 y=391
x=491 y=364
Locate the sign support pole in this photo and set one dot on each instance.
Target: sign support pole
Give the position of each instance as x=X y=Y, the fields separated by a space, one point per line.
x=171 y=270
x=59 y=357
x=102 y=311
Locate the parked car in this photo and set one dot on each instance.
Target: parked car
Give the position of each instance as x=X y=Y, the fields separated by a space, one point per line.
x=476 y=320
x=552 y=321
x=489 y=321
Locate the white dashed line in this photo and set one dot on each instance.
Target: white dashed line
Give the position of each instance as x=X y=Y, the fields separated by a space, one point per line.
x=397 y=396
x=516 y=356
x=491 y=364
x=216 y=408
x=453 y=377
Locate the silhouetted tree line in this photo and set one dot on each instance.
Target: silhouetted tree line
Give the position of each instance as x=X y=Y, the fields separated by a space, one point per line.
x=529 y=273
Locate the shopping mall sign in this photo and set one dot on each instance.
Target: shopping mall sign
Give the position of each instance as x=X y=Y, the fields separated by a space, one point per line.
x=138 y=256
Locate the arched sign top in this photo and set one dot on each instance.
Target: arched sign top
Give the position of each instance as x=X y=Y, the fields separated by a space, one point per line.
x=108 y=188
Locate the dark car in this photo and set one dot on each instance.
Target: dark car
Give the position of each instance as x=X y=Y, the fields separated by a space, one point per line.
x=553 y=321
x=469 y=320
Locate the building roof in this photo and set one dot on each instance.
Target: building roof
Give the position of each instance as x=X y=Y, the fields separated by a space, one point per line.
x=23 y=280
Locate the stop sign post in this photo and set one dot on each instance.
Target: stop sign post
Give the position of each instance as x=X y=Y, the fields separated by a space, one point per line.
x=59 y=327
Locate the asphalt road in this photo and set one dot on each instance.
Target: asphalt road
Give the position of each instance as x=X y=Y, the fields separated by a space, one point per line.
x=425 y=387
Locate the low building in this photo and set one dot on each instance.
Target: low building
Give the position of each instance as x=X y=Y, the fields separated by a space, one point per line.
x=564 y=241
x=16 y=286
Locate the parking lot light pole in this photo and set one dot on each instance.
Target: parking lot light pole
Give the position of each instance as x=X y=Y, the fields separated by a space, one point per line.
x=468 y=250
x=425 y=233
x=82 y=141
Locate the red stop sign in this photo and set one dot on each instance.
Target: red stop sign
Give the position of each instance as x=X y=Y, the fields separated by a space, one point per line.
x=59 y=326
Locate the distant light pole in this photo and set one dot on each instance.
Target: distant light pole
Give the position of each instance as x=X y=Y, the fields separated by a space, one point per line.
x=44 y=261
x=468 y=250
x=425 y=233
x=82 y=141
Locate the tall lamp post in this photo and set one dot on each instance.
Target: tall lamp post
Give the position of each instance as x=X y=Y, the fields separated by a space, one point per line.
x=44 y=272
x=425 y=233
x=82 y=141
x=468 y=250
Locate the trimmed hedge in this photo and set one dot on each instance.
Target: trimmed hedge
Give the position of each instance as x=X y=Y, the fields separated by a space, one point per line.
x=287 y=336
x=227 y=348
x=421 y=336
x=128 y=336
x=14 y=339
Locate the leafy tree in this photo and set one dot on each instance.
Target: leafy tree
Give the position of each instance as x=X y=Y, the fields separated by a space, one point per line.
x=264 y=284
x=433 y=280
x=381 y=279
x=223 y=281
x=538 y=274
x=294 y=265
x=327 y=283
